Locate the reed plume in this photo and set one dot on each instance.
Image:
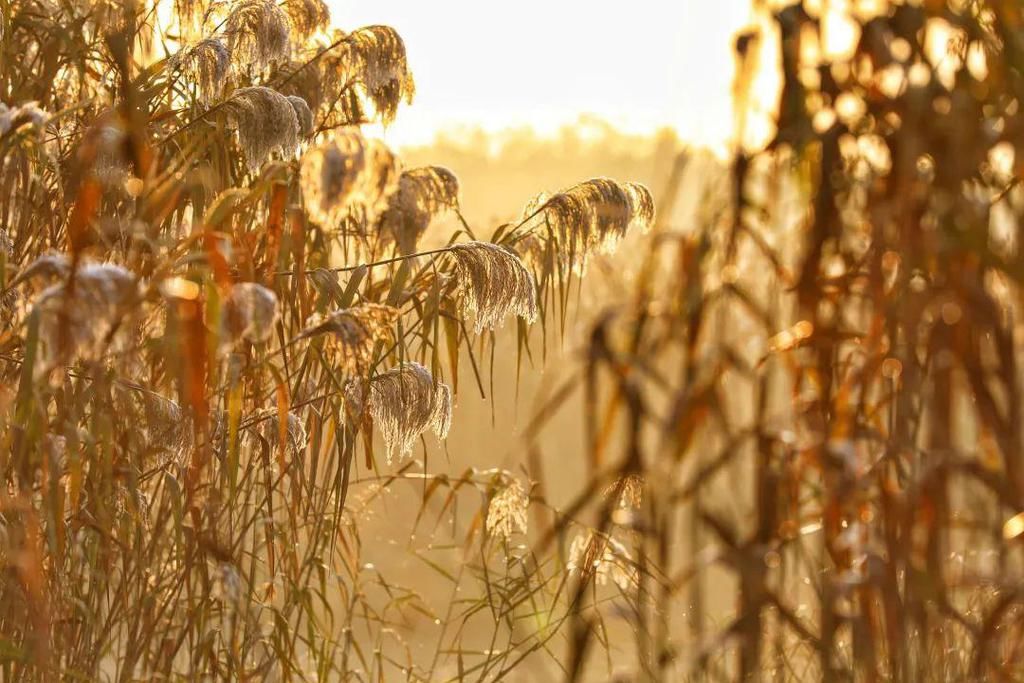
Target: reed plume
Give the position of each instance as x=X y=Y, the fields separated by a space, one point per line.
x=266 y=427
x=627 y=491
x=422 y=194
x=168 y=427
x=595 y=214
x=258 y=32
x=249 y=313
x=493 y=283
x=347 y=173
x=603 y=558
x=303 y=116
x=26 y=114
x=78 y=317
x=307 y=16
x=300 y=78
x=507 y=510
x=206 y=64
x=265 y=121
x=353 y=332
x=404 y=402
x=8 y=295
x=378 y=62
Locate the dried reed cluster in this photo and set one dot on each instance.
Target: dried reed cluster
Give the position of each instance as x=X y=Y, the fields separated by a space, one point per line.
x=506 y=513
x=27 y=114
x=258 y=32
x=266 y=428
x=378 y=55
x=187 y=384
x=267 y=121
x=595 y=214
x=168 y=427
x=249 y=313
x=307 y=16
x=355 y=331
x=494 y=283
x=626 y=491
x=8 y=296
x=79 y=316
x=422 y=194
x=403 y=402
x=595 y=556
x=204 y=64
x=348 y=173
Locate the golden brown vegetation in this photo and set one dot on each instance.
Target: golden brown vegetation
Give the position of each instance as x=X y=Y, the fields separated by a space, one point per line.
x=213 y=298
x=802 y=416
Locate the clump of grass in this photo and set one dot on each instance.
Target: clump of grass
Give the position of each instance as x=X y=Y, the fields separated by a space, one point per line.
x=818 y=378
x=206 y=272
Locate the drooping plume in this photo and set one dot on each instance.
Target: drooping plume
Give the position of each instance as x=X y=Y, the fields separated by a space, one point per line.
x=628 y=491
x=265 y=120
x=168 y=427
x=404 y=402
x=507 y=510
x=596 y=214
x=303 y=116
x=355 y=331
x=422 y=194
x=258 y=32
x=79 y=316
x=205 y=64
x=597 y=555
x=26 y=114
x=493 y=283
x=307 y=16
x=345 y=174
x=267 y=426
x=249 y=313
x=379 y=64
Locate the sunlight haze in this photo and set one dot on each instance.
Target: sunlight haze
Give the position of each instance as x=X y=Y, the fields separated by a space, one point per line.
x=641 y=66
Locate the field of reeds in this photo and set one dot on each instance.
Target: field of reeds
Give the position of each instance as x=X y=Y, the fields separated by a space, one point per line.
x=783 y=442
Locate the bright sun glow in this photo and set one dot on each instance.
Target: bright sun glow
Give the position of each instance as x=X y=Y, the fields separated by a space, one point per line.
x=640 y=65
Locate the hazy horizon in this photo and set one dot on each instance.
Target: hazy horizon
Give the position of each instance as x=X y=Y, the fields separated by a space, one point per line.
x=656 y=65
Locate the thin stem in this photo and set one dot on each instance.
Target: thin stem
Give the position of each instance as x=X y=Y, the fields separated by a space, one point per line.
x=372 y=264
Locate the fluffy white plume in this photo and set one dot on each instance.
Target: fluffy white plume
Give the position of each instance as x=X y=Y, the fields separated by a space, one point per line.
x=404 y=402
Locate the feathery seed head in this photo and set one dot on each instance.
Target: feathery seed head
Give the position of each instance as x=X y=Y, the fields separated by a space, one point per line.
x=379 y=59
x=168 y=428
x=404 y=402
x=595 y=215
x=345 y=174
x=641 y=205
x=265 y=120
x=422 y=194
x=303 y=115
x=107 y=152
x=206 y=64
x=506 y=513
x=249 y=313
x=307 y=16
x=79 y=314
x=628 y=491
x=258 y=32
x=593 y=554
x=267 y=427
x=494 y=283
x=302 y=79
x=8 y=297
x=355 y=331
x=28 y=113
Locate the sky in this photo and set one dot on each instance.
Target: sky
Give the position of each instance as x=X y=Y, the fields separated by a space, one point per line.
x=640 y=64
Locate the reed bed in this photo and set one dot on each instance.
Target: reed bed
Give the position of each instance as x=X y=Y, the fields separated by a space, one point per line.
x=224 y=349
